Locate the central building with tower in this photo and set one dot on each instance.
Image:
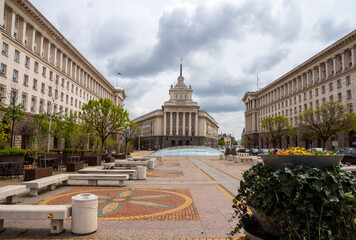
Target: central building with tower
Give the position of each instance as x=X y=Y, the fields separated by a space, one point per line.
x=179 y=122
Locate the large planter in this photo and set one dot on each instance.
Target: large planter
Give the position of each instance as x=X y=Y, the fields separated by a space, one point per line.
x=318 y=161
x=120 y=156
x=255 y=232
x=72 y=167
x=36 y=173
x=66 y=156
x=262 y=220
x=94 y=161
x=109 y=159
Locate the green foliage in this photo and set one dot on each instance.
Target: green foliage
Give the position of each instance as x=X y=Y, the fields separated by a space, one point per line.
x=4 y=137
x=13 y=113
x=228 y=151
x=325 y=121
x=233 y=151
x=70 y=150
x=275 y=127
x=221 y=142
x=300 y=202
x=12 y=152
x=103 y=118
x=131 y=130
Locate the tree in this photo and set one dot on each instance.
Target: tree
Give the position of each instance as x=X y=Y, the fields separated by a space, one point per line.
x=13 y=113
x=274 y=128
x=221 y=142
x=325 y=121
x=4 y=137
x=104 y=118
x=130 y=131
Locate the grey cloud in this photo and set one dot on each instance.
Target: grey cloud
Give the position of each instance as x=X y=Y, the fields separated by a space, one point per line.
x=267 y=61
x=181 y=34
x=329 y=29
x=221 y=105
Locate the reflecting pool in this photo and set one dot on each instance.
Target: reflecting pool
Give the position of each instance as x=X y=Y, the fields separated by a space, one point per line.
x=187 y=151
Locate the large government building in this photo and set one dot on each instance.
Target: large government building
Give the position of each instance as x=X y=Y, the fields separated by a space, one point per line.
x=179 y=122
x=40 y=69
x=328 y=76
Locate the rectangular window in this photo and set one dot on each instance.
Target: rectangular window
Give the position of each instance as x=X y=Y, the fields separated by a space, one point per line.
x=323 y=89
x=339 y=97
x=63 y=82
x=1 y=94
x=300 y=98
x=331 y=98
x=75 y=103
x=349 y=94
x=41 y=106
x=305 y=106
x=27 y=61
x=44 y=71
x=348 y=80
x=35 y=68
x=317 y=103
x=67 y=98
x=310 y=94
x=49 y=107
x=49 y=91
x=62 y=96
x=72 y=88
x=25 y=80
x=15 y=75
x=338 y=82
x=305 y=96
x=330 y=86
x=323 y=101
x=76 y=90
x=33 y=104
x=34 y=86
x=3 y=68
x=316 y=91
x=350 y=108
x=23 y=100
x=5 y=48
x=43 y=86
x=311 y=104
x=67 y=85
x=17 y=56
x=300 y=108
x=13 y=97
x=71 y=101
x=50 y=75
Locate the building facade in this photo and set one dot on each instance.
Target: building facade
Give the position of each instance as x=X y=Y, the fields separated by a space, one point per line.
x=179 y=122
x=328 y=76
x=40 y=69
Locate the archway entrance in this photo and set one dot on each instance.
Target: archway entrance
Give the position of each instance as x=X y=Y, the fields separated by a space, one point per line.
x=187 y=142
x=173 y=143
x=180 y=143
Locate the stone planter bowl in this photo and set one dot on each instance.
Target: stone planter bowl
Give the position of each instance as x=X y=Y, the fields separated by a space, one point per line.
x=318 y=161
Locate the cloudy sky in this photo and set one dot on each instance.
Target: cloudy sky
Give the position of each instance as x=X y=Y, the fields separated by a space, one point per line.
x=224 y=45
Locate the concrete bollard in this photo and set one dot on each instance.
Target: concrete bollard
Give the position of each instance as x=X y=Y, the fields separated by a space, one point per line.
x=151 y=164
x=236 y=159
x=84 y=214
x=141 y=172
x=221 y=156
x=254 y=161
x=230 y=157
x=161 y=158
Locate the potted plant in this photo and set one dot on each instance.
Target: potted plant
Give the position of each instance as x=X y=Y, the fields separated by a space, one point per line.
x=278 y=158
x=300 y=202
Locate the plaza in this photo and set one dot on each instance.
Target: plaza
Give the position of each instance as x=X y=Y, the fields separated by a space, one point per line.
x=183 y=198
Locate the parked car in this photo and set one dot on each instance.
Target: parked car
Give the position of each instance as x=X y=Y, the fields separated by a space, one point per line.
x=263 y=151
x=241 y=150
x=350 y=155
x=254 y=151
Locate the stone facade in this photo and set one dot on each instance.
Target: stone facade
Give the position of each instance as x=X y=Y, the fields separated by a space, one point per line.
x=41 y=69
x=179 y=122
x=328 y=76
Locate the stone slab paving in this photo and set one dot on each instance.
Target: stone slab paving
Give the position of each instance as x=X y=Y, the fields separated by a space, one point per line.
x=210 y=190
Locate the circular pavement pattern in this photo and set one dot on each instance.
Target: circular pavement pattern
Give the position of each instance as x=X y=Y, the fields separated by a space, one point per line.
x=136 y=204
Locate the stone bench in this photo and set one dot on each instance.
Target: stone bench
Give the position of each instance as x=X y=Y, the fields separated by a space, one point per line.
x=129 y=172
x=57 y=214
x=130 y=164
x=10 y=191
x=349 y=168
x=49 y=182
x=109 y=165
x=243 y=154
x=93 y=178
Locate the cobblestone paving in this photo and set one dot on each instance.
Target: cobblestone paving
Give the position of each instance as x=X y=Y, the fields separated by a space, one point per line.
x=193 y=203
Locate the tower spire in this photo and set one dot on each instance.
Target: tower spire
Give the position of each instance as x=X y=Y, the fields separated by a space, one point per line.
x=181 y=66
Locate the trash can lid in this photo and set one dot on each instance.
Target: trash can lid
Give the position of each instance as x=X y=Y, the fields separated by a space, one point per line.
x=85 y=197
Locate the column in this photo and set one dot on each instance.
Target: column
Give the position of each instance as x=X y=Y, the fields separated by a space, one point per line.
x=41 y=46
x=74 y=70
x=171 y=123
x=33 y=39
x=164 y=123
x=326 y=70
x=196 y=124
x=319 y=73
x=2 y=9
x=183 y=123
x=55 y=56
x=65 y=60
x=49 y=51
x=190 y=124
x=334 y=65
x=343 y=61
x=13 y=16
x=353 y=56
x=59 y=64
x=24 y=24
x=313 y=75
x=177 y=123
x=308 y=79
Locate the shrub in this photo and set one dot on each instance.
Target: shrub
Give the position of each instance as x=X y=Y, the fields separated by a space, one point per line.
x=12 y=152
x=302 y=202
x=227 y=151
x=70 y=150
x=233 y=152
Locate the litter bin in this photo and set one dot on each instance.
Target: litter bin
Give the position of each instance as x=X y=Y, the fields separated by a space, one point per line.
x=141 y=172
x=151 y=164
x=84 y=213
